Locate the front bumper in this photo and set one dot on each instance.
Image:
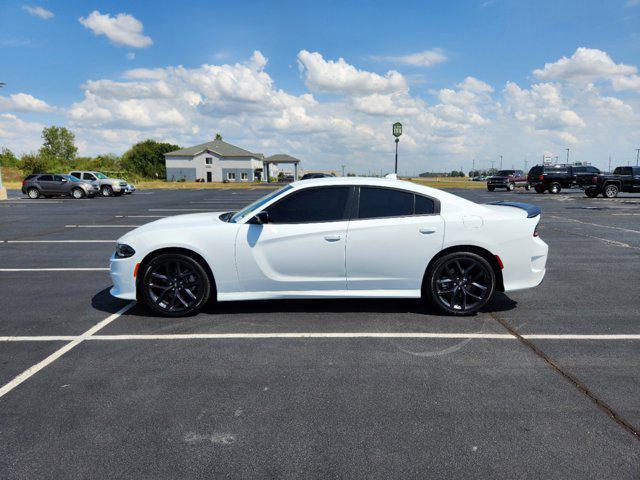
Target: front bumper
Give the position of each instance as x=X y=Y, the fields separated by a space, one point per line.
x=497 y=184
x=121 y=272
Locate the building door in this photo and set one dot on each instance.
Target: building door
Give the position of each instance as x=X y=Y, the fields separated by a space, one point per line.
x=209 y=178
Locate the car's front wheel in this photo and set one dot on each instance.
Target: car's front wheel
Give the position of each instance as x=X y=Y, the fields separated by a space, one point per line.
x=511 y=187
x=460 y=283
x=77 y=193
x=175 y=285
x=106 y=191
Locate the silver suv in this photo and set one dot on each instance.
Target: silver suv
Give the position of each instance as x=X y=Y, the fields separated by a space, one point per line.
x=108 y=186
x=54 y=184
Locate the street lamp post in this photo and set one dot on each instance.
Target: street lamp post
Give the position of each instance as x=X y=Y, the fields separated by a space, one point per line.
x=567 y=155
x=500 y=162
x=637 y=156
x=397 y=131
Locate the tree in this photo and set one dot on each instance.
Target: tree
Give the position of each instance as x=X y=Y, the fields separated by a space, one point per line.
x=58 y=143
x=7 y=158
x=147 y=158
x=218 y=136
x=32 y=163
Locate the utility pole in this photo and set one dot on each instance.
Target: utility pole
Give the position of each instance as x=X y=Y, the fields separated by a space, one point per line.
x=343 y=170
x=609 y=163
x=567 y=155
x=500 y=162
x=492 y=162
x=637 y=156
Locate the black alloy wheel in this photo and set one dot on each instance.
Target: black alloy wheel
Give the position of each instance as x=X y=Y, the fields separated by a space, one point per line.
x=461 y=283
x=175 y=285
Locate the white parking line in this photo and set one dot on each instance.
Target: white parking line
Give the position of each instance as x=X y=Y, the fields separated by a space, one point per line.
x=222 y=336
x=102 y=226
x=573 y=220
x=53 y=269
x=180 y=210
x=141 y=216
x=29 y=372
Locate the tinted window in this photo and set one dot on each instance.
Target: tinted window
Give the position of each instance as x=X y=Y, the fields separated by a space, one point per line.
x=29 y=177
x=579 y=169
x=88 y=176
x=45 y=178
x=57 y=178
x=622 y=171
x=424 y=206
x=384 y=202
x=505 y=173
x=592 y=170
x=75 y=174
x=535 y=171
x=311 y=205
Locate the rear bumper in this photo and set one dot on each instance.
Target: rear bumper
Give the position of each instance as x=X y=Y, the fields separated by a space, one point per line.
x=527 y=267
x=121 y=272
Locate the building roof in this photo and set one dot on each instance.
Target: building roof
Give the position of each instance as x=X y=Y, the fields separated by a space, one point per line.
x=281 y=158
x=219 y=147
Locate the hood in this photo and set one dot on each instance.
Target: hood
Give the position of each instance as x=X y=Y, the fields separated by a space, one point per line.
x=177 y=222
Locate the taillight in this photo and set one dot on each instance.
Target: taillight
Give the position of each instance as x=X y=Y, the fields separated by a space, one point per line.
x=535 y=232
x=500 y=264
x=594 y=179
x=541 y=177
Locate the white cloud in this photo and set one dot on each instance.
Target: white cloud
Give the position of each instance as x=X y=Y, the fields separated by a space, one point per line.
x=426 y=58
x=19 y=135
x=586 y=64
x=340 y=77
x=122 y=30
x=23 y=102
x=38 y=12
x=472 y=84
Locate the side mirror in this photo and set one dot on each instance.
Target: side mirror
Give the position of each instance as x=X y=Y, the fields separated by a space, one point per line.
x=260 y=218
x=64 y=180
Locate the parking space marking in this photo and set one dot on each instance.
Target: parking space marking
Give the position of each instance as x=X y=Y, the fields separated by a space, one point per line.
x=102 y=226
x=54 y=269
x=180 y=210
x=29 y=372
x=141 y=216
x=573 y=220
x=337 y=335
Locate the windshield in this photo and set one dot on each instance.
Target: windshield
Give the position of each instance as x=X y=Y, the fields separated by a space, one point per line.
x=257 y=204
x=100 y=175
x=506 y=173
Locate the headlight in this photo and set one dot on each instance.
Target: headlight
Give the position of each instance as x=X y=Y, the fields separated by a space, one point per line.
x=124 y=251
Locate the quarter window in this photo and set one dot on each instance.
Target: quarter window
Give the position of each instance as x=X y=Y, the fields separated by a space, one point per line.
x=311 y=205
x=424 y=206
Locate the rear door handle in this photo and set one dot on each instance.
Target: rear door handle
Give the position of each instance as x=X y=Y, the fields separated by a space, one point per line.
x=427 y=231
x=332 y=238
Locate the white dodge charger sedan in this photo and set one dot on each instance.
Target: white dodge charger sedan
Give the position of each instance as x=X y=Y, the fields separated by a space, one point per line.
x=335 y=238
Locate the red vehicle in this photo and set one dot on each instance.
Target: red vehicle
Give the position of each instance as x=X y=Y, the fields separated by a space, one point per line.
x=509 y=179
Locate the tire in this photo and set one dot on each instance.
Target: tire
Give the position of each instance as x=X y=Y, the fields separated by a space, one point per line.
x=539 y=189
x=511 y=187
x=610 y=190
x=491 y=189
x=459 y=283
x=78 y=193
x=527 y=187
x=175 y=285
x=33 y=193
x=106 y=191
x=591 y=192
x=555 y=188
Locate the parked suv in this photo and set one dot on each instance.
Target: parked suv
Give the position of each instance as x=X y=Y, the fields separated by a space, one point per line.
x=509 y=179
x=54 y=184
x=108 y=186
x=553 y=178
x=623 y=179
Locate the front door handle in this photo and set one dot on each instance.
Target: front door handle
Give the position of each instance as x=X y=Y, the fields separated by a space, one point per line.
x=427 y=231
x=332 y=238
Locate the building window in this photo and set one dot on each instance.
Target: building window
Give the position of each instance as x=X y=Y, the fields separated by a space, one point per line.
x=244 y=176
x=208 y=160
x=231 y=176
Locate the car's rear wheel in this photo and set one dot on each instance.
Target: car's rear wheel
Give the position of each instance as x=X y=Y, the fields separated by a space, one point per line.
x=539 y=189
x=175 y=285
x=106 y=191
x=33 y=193
x=511 y=187
x=491 y=189
x=591 y=192
x=77 y=193
x=460 y=283
x=610 y=190
x=554 y=188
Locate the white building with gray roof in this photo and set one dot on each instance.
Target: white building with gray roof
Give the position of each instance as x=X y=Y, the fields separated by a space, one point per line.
x=217 y=161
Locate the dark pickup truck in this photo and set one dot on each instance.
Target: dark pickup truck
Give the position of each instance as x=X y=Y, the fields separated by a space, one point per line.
x=553 y=178
x=509 y=179
x=623 y=179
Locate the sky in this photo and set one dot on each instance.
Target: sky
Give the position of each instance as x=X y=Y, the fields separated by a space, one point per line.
x=325 y=81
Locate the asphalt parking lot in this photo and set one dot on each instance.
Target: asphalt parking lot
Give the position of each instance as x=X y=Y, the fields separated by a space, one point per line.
x=544 y=383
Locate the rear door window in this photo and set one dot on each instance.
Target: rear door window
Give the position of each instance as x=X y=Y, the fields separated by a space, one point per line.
x=57 y=178
x=45 y=178
x=88 y=176
x=384 y=202
x=75 y=174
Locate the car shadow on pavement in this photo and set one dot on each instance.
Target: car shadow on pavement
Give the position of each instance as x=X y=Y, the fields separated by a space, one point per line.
x=103 y=301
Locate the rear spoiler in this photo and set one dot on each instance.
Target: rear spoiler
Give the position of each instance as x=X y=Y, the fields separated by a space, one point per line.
x=532 y=210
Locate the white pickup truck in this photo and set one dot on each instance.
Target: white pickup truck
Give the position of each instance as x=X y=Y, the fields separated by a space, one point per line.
x=107 y=186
